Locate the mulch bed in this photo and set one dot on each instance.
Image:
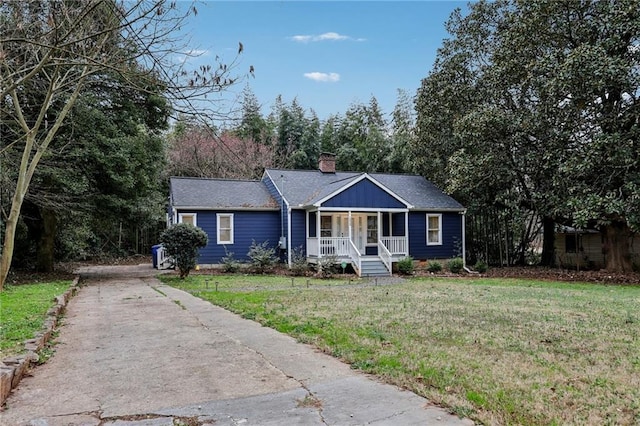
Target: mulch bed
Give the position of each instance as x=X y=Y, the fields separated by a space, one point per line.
x=64 y=272
x=553 y=274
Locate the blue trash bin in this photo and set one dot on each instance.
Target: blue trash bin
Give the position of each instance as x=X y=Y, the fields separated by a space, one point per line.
x=154 y=255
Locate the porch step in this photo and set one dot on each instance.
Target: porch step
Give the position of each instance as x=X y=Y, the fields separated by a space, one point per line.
x=374 y=268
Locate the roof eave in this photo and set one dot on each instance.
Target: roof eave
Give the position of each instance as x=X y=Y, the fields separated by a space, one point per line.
x=435 y=209
x=214 y=208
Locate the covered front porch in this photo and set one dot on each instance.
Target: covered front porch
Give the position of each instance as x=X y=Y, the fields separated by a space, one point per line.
x=370 y=240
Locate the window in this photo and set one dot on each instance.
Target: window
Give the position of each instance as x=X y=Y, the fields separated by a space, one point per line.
x=434 y=229
x=187 y=218
x=571 y=243
x=372 y=229
x=225 y=228
x=325 y=226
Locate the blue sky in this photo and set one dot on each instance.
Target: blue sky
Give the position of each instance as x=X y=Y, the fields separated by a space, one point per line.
x=327 y=54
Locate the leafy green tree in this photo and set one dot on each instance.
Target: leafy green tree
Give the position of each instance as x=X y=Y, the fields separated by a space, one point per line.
x=182 y=242
x=51 y=51
x=402 y=134
x=329 y=133
x=532 y=107
x=111 y=173
x=363 y=144
x=252 y=125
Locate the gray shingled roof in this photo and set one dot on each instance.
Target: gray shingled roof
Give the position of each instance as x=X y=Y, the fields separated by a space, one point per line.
x=220 y=193
x=306 y=187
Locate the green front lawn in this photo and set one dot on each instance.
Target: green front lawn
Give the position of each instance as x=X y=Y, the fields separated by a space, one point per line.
x=23 y=309
x=500 y=351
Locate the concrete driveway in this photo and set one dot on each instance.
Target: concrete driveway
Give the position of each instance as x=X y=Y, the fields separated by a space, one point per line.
x=133 y=351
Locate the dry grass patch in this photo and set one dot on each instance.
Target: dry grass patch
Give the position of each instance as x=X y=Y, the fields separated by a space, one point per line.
x=499 y=351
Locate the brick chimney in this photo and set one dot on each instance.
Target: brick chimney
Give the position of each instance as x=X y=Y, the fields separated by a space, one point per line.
x=327 y=162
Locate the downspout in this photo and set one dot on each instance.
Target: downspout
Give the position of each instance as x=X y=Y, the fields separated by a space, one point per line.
x=289 y=236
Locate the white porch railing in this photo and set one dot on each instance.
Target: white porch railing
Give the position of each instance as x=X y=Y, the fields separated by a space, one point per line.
x=339 y=246
x=334 y=246
x=395 y=245
x=327 y=246
x=384 y=254
x=355 y=256
x=312 y=247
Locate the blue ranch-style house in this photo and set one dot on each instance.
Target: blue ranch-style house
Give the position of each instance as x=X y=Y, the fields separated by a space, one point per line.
x=368 y=220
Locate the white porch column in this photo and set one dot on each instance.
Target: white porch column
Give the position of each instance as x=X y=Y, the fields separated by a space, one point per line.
x=379 y=226
x=406 y=230
x=350 y=231
x=390 y=224
x=318 y=232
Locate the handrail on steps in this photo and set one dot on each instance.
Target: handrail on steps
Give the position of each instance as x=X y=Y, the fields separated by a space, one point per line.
x=355 y=256
x=384 y=254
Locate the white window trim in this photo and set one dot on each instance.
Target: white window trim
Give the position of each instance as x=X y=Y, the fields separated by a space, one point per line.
x=195 y=217
x=439 y=243
x=230 y=216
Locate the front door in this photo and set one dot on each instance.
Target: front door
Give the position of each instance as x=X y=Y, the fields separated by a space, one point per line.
x=358 y=230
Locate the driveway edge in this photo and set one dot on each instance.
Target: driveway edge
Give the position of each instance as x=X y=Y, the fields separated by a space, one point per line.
x=13 y=369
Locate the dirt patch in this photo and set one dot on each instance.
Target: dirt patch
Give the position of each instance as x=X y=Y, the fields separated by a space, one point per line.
x=18 y=277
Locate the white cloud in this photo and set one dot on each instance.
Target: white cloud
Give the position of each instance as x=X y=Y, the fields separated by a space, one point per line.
x=331 y=77
x=302 y=38
x=191 y=55
x=197 y=52
x=330 y=36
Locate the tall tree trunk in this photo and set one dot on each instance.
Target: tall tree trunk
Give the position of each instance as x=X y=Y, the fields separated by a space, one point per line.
x=548 y=242
x=616 y=237
x=46 y=242
x=10 y=237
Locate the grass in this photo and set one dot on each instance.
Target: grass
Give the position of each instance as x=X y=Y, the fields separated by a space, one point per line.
x=23 y=310
x=500 y=351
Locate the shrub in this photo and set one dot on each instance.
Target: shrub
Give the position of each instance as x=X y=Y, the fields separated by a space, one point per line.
x=299 y=264
x=182 y=242
x=434 y=266
x=327 y=266
x=481 y=266
x=455 y=265
x=263 y=258
x=405 y=266
x=230 y=263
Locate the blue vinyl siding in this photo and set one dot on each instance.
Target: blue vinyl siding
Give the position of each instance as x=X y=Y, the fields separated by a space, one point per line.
x=364 y=194
x=312 y=224
x=451 y=237
x=385 y=224
x=397 y=223
x=248 y=226
x=298 y=229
